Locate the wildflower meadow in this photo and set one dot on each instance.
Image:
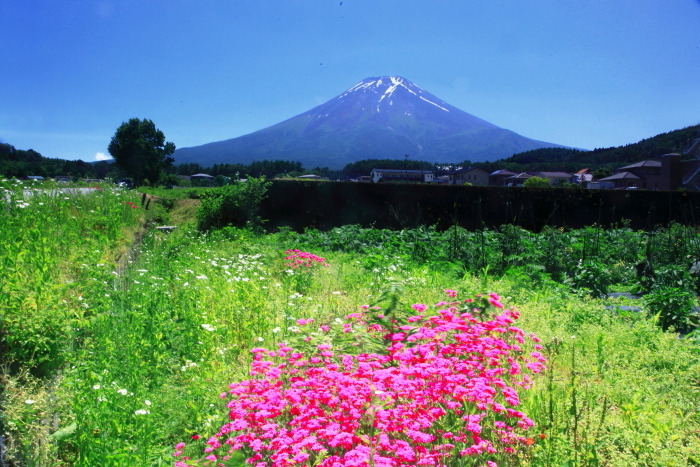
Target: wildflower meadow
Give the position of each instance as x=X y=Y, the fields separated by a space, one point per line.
x=124 y=345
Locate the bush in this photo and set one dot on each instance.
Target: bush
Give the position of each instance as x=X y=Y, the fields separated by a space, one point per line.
x=672 y=307
x=536 y=182
x=235 y=205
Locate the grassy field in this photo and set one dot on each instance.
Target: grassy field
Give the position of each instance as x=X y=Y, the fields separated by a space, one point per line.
x=112 y=359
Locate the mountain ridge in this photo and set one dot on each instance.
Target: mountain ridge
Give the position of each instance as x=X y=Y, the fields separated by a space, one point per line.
x=379 y=117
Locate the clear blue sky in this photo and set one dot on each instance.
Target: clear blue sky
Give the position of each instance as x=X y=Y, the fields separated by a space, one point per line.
x=591 y=73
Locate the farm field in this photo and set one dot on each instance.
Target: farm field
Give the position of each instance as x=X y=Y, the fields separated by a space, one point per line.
x=112 y=357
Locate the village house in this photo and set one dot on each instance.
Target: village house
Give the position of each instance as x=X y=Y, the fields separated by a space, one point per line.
x=472 y=175
x=582 y=177
x=497 y=178
x=555 y=178
x=517 y=180
x=399 y=175
x=620 y=180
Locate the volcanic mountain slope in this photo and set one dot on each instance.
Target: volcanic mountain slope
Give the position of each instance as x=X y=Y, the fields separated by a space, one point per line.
x=378 y=118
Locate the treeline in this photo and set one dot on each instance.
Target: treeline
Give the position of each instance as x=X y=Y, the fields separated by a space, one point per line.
x=269 y=169
x=607 y=159
x=604 y=160
x=21 y=163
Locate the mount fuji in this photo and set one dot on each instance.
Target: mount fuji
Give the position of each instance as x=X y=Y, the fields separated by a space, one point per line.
x=378 y=118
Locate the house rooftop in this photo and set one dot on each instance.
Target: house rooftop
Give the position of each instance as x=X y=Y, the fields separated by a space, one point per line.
x=553 y=174
x=469 y=169
x=503 y=172
x=404 y=171
x=619 y=176
x=642 y=164
x=521 y=175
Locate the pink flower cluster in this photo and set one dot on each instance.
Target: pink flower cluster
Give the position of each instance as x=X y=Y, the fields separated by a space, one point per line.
x=300 y=258
x=445 y=387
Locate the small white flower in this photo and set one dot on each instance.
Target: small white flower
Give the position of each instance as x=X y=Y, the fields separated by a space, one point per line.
x=208 y=327
x=336 y=293
x=97 y=386
x=141 y=412
x=122 y=392
x=29 y=401
x=260 y=339
x=147 y=402
x=201 y=277
x=276 y=330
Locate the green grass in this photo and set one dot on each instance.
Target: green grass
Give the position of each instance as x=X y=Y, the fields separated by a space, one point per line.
x=175 y=326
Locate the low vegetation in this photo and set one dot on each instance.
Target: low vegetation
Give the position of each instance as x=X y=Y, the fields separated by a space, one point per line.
x=117 y=359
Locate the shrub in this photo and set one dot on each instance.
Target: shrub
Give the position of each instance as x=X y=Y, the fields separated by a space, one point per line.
x=235 y=205
x=672 y=307
x=536 y=182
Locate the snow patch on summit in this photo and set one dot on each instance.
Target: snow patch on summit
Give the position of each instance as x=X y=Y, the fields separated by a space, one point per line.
x=394 y=82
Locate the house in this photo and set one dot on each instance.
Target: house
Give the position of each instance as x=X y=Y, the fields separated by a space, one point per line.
x=35 y=178
x=517 y=180
x=649 y=174
x=201 y=177
x=310 y=177
x=497 y=178
x=555 y=178
x=472 y=175
x=621 y=180
x=399 y=175
x=582 y=177
x=202 y=180
x=63 y=178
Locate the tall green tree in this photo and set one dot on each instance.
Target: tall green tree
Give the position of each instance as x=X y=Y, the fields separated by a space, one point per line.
x=140 y=149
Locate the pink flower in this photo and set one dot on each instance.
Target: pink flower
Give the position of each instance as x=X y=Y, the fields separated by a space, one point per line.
x=453 y=367
x=450 y=293
x=419 y=307
x=493 y=300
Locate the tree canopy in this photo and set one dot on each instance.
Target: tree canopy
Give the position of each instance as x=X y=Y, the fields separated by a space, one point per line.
x=140 y=149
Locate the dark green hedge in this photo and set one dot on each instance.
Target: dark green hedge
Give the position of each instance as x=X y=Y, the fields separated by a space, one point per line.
x=324 y=205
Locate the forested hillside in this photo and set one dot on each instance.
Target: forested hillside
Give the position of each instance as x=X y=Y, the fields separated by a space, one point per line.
x=572 y=160
x=21 y=163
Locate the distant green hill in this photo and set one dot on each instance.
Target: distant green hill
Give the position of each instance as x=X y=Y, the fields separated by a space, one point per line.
x=22 y=163
x=554 y=159
x=572 y=160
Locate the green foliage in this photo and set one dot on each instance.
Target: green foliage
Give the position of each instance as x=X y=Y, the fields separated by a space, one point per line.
x=536 y=182
x=140 y=149
x=571 y=160
x=591 y=277
x=21 y=163
x=143 y=364
x=672 y=308
x=236 y=205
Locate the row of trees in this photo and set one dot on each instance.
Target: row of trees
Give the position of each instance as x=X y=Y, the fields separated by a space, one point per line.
x=140 y=151
x=20 y=163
